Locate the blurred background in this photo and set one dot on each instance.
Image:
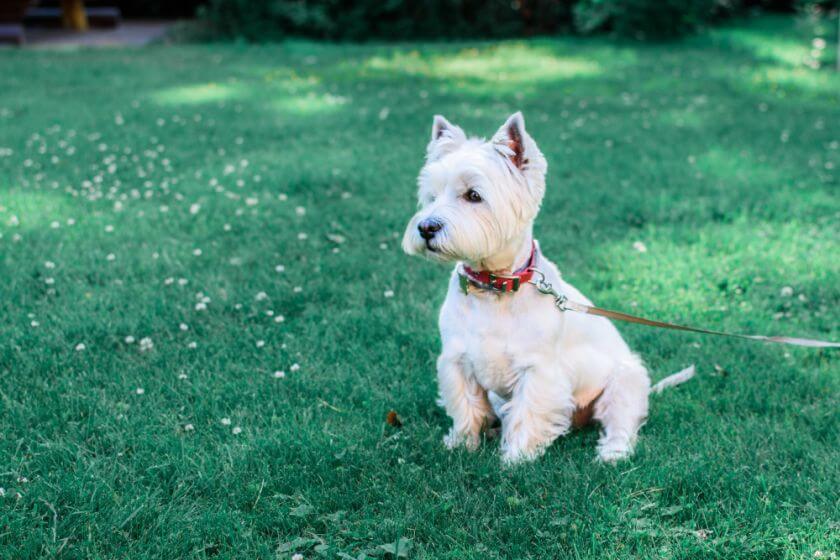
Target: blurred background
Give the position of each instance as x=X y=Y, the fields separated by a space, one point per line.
x=366 y=20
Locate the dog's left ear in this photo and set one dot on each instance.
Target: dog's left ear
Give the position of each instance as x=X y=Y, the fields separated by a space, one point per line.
x=510 y=140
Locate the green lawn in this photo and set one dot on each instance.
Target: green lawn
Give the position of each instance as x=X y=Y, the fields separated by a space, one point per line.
x=240 y=207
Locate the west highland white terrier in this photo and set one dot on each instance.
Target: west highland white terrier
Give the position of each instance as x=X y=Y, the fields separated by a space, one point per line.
x=508 y=353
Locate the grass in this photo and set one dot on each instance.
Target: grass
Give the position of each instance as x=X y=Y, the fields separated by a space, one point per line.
x=118 y=167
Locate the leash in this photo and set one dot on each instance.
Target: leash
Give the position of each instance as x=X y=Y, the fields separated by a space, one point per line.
x=563 y=303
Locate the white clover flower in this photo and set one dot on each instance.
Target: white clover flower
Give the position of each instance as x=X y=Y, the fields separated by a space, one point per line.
x=140 y=390
x=184 y=327
x=302 y=236
x=279 y=374
x=300 y=211
x=197 y=252
x=80 y=347
x=109 y=228
x=111 y=257
x=200 y=306
x=297 y=289
x=260 y=343
x=192 y=345
x=787 y=291
x=294 y=367
x=640 y=247
x=49 y=264
x=146 y=344
x=236 y=430
x=225 y=421
x=279 y=319
x=261 y=296
x=195 y=208
x=280 y=268
x=182 y=376
x=129 y=339
x=35 y=324
x=183 y=281
x=189 y=427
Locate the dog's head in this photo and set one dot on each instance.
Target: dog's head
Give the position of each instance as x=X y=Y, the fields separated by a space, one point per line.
x=476 y=197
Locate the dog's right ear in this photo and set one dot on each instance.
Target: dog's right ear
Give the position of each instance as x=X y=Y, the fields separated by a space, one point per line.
x=446 y=137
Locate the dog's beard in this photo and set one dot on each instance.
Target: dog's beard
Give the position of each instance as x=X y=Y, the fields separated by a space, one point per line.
x=453 y=243
x=435 y=249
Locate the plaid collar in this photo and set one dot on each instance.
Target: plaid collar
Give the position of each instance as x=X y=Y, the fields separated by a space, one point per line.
x=486 y=280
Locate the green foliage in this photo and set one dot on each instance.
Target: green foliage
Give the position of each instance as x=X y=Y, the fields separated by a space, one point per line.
x=720 y=154
x=259 y=20
x=647 y=18
x=393 y=19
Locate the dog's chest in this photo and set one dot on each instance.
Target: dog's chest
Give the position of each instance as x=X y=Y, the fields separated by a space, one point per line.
x=491 y=359
x=499 y=342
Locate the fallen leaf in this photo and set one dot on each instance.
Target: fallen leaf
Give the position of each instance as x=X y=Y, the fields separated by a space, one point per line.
x=299 y=543
x=393 y=419
x=398 y=548
x=301 y=511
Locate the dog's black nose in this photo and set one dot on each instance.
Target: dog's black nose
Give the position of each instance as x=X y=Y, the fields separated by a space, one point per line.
x=428 y=228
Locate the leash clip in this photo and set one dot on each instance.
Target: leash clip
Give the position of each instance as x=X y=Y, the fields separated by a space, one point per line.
x=545 y=287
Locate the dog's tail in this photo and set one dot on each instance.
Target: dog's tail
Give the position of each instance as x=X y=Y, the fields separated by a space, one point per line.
x=674 y=380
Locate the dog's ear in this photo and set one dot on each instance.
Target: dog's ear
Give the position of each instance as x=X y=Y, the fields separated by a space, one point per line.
x=446 y=137
x=510 y=140
x=442 y=127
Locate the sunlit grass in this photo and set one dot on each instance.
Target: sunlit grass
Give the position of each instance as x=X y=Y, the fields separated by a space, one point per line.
x=509 y=63
x=816 y=82
x=199 y=94
x=28 y=210
x=309 y=104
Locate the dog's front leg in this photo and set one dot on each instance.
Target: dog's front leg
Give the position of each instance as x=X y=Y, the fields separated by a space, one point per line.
x=539 y=411
x=465 y=402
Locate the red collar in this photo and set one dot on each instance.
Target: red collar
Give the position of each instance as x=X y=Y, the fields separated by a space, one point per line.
x=486 y=280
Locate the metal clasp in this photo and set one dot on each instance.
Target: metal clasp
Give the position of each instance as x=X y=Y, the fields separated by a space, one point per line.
x=545 y=287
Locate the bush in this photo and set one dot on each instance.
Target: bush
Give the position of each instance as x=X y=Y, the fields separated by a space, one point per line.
x=153 y=8
x=648 y=18
x=259 y=20
x=388 y=19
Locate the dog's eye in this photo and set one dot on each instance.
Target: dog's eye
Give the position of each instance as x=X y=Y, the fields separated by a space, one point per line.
x=472 y=196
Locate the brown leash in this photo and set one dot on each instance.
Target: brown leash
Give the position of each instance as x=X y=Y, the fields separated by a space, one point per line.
x=564 y=304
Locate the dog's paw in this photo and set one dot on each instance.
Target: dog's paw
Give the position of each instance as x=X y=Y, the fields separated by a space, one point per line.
x=454 y=440
x=512 y=457
x=614 y=451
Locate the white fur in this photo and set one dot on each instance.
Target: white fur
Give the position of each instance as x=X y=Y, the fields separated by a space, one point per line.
x=514 y=355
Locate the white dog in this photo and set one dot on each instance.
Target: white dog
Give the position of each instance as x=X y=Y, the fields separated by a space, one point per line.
x=508 y=353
